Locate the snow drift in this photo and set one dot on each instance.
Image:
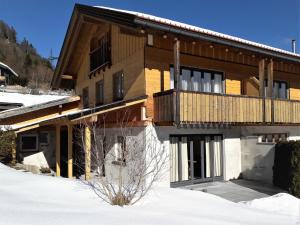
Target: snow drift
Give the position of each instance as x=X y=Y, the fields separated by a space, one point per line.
x=34 y=199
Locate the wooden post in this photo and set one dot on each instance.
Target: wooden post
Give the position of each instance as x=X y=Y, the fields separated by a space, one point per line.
x=177 y=83
x=70 y=151
x=87 y=134
x=57 y=132
x=261 y=70
x=14 y=150
x=270 y=79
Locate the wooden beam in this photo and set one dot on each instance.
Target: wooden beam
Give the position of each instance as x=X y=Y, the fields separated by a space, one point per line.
x=57 y=132
x=270 y=79
x=87 y=134
x=177 y=84
x=70 y=151
x=14 y=150
x=261 y=70
x=67 y=77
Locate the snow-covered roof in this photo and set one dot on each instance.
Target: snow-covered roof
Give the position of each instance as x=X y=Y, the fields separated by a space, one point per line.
x=7 y=67
x=27 y=99
x=199 y=30
x=46 y=103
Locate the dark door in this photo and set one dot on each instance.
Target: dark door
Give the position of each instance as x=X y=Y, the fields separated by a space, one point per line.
x=64 y=152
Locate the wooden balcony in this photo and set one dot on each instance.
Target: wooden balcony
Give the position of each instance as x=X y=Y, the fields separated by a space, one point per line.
x=201 y=108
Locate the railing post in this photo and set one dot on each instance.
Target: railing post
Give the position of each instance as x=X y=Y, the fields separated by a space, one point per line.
x=270 y=88
x=176 y=49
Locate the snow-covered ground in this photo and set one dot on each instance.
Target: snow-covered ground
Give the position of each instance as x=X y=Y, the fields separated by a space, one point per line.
x=27 y=199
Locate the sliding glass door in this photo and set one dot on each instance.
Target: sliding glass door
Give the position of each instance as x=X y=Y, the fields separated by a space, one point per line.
x=196 y=158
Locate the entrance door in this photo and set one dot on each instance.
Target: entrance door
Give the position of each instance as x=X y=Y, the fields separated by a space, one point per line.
x=196 y=158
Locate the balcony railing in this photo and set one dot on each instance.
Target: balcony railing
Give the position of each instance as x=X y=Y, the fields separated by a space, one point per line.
x=198 y=107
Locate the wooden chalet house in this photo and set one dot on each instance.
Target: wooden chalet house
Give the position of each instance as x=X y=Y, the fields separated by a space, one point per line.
x=216 y=103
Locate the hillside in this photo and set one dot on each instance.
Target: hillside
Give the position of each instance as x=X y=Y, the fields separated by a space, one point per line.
x=22 y=57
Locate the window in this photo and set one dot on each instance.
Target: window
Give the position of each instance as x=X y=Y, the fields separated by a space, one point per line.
x=121 y=149
x=29 y=143
x=272 y=138
x=99 y=93
x=44 y=138
x=100 y=52
x=206 y=81
x=85 y=97
x=118 y=86
x=279 y=89
x=198 y=80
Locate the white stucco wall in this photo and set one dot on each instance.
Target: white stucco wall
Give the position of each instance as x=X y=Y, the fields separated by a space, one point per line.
x=257 y=159
x=44 y=157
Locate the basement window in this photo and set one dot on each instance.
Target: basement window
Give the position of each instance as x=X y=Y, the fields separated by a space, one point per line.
x=271 y=138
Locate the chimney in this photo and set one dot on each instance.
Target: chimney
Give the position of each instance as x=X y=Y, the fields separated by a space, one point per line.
x=294 y=46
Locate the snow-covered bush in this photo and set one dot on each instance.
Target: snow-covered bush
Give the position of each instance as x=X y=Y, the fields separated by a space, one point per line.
x=7 y=146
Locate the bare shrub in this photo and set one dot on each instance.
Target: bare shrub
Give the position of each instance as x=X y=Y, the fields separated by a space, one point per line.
x=125 y=164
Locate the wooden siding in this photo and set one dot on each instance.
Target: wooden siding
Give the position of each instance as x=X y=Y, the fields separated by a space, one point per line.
x=201 y=107
x=239 y=68
x=233 y=87
x=127 y=56
x=196 y=107
x=294 y=94
x=286 y=111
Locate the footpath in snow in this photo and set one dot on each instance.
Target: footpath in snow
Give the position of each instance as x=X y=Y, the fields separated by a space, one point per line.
x=28 y=199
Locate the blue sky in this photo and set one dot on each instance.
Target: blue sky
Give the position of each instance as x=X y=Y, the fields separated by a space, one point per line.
x=275 y=23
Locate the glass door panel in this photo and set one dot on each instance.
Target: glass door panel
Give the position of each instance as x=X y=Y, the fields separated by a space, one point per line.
x=174 y=159
x=208 y=156
x=196 y=158
x=184 y=159
x=196 y=81
x=218 y=86
x=207 y=82
x=217 y=156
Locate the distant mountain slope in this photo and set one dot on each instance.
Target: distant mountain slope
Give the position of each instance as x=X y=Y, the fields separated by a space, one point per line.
x=34 y=70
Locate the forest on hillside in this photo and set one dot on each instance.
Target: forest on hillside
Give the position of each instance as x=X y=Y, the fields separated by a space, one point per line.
x=35 y=71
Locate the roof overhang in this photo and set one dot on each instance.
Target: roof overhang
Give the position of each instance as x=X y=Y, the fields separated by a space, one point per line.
x=139 y=20
x=86 y=113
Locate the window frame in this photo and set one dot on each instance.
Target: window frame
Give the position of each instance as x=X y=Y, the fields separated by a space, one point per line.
x=280 y=82
x=120 y=151
x=99 y=96
x=118 y=76
x=100 y=52
x=265 y=135
x=36 y=149
x=85 y=97
x=201 y=71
